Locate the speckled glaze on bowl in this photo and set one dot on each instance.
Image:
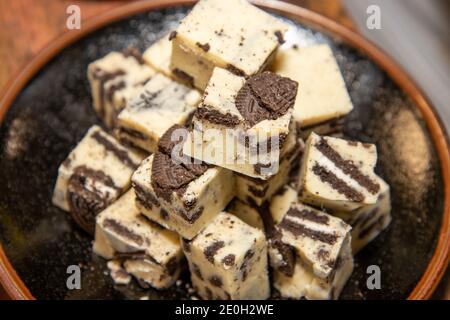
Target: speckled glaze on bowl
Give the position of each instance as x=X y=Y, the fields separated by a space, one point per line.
x=47 y=109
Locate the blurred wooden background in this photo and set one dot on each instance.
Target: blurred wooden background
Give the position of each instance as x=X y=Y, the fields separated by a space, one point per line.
x=26 y=26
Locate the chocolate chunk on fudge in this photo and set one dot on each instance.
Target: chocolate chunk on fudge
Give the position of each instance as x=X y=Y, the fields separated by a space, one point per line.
x=305 y=284
x=220 y=33
x=160 y=104
x=338 y=174
x=324 y=95
x=144 y=249
x=242 y=124
x=94 y=174
x=158 y=55
x=114 y=80
x=228 y=260
x=183 y=196
x=369 y=221
x=257 y=191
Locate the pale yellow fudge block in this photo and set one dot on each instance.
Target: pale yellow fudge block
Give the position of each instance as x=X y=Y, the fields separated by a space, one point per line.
x=369 y=221
x=158 y=56
x=183 y=197
x=114 y=80
x=147 y=251
x=227 y=132
x=323 y=95
x=229 y=34
x=316 y=237
x=305 y=284
x=256 y=191
x=94 y=174
x=228 y=260
x=160 y=104
x=338 y=174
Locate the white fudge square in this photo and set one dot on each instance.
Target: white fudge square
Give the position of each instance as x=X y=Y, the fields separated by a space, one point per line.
x=242 y=126
x=160 y=104
x=228 y=260
x=256 y=191
x=183 y=198
x=94 y=174
x=147 y=251
x=338 y=174
x=317 y=237
x=158 y=56
x=114 y=80
x=305 y=284
x=229 y=34
x=324 y=95
x=369 y=221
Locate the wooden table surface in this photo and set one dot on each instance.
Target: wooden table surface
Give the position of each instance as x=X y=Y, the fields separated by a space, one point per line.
x=26 y=26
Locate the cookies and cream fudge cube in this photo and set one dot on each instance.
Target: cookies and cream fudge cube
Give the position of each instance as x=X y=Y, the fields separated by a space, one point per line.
x=324 y=95
x=94 y=174
x=182 y=196
x=242 y=124
x=256 y=191
x=303 y=283
x=147 y=251
x=316 y=237
x=114 y=80
x=158 y=55
x=231 y=34
x=160 y=104
x=369 y=221
x=228 y=260
x=338 y=174
x=247 y=213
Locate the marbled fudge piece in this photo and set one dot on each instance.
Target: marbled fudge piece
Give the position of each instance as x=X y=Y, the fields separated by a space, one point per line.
x=367 y=222
x=94 y=174
x=230 y=34
x=160 y=104
x=305 y=284
x=324 y=95
x=184 y=197
x=317 y=237
x=115 y=79
x=242 y=124
x=158 y=55
x=228 y=260
x=338 y=174
x=256 y=191
x=145 y=249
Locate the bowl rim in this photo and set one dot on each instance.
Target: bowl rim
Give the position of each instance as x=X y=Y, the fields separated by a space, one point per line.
x=13 y=284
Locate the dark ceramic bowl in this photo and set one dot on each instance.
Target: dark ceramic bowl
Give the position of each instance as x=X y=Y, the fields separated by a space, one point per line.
x=47 y=109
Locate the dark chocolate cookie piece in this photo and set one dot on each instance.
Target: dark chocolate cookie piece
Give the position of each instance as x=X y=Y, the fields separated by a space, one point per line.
x=169 y=175
x=168 y=139
x=266 y=96
x=85 y=199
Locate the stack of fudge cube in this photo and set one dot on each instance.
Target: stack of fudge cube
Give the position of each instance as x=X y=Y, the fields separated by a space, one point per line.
x=284 y=207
